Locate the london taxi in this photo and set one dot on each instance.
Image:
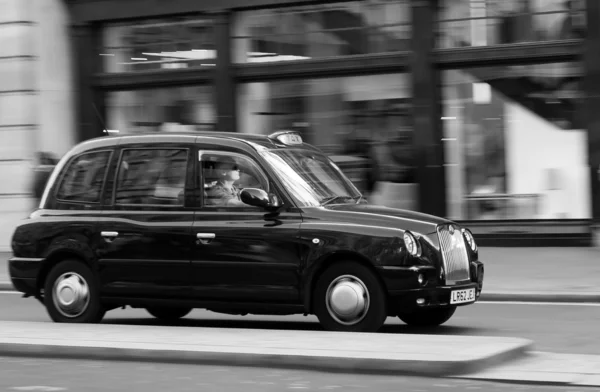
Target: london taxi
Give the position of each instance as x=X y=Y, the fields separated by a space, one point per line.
x=238 y=224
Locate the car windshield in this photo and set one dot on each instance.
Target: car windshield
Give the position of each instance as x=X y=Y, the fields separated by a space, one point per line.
x=311 y=178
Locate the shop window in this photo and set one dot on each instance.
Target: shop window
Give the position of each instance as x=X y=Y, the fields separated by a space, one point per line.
x=516 y=142
x=466 y=23
x=364 y=123
x=169 y=43
x=325 y=30
x=171 y=109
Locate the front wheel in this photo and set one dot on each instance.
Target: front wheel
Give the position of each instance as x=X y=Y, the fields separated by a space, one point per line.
x=428 y=317
x=71 y=294
x=168 y=313
x=348 y=297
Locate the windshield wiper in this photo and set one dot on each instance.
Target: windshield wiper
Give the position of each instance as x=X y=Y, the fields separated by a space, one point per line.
x=332 y=199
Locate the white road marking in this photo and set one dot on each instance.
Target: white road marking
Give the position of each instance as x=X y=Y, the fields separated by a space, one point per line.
x=38 y=388
x=538 y=303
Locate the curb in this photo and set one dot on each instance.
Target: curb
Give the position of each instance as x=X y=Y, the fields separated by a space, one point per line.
x=376 y=366
x=6 y=286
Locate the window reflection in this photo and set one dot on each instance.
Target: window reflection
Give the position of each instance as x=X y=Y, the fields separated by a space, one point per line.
x=515 y=143
x=364 y=123
x=173 y=43
x=494 y=22
x=152 y=177
x=84 y=178
x=327 y=30
x=173 y=109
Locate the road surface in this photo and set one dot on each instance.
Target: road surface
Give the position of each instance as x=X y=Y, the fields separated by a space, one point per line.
x=23 y=374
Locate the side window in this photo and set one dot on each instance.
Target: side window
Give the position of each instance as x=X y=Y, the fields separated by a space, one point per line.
x=151 y=177
x=83 y=178
x=224 y=175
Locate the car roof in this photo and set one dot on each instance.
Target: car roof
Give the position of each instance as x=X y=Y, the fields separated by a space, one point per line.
x=188 y=137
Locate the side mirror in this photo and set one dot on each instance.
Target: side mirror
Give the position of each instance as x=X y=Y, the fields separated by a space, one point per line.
x=259 y=198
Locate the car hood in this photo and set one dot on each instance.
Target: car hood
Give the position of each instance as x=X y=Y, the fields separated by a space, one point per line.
x=376 y=215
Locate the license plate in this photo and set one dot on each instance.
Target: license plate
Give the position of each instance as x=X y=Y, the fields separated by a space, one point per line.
x=462 y=296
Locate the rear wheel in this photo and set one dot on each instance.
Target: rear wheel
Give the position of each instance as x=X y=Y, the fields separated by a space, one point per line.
x=71 y=294
x=428 y=317
x=168 y=313
x=349 y=297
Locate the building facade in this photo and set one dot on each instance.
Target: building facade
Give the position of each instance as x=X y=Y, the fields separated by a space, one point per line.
x=482 y=111
x=36 y=99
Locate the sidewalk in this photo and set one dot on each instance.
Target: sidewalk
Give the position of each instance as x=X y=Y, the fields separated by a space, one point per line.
x=515 y=274
x=423 y=355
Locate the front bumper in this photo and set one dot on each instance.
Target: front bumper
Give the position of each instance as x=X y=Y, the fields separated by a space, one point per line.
x=436 y=295
x=430 y=297
x=23 y=274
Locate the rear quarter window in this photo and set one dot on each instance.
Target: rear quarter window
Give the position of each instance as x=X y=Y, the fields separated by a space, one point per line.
x=82 y=179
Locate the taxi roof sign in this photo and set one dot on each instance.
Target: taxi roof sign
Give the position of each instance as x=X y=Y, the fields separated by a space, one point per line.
x=287 y=137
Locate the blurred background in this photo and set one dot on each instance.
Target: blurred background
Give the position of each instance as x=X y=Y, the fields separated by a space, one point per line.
x=481 y=111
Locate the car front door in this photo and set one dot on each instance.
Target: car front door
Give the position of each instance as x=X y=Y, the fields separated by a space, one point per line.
x=242 y=254
x=146 y=224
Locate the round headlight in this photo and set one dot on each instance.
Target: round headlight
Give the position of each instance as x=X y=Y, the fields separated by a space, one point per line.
x=412 y=246
x=470 y=239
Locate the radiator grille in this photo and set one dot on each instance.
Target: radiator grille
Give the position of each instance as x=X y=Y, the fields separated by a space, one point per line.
x=454 y=253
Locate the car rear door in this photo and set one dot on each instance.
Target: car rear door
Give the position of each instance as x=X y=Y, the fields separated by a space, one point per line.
x=146 y=223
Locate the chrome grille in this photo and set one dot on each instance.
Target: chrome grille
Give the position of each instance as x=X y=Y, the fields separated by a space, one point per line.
x=454 y=254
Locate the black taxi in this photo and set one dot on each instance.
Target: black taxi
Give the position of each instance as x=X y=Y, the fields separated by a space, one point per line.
x=238 y=224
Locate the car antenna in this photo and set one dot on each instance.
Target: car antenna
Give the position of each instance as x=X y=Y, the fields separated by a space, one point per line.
x=104 y=130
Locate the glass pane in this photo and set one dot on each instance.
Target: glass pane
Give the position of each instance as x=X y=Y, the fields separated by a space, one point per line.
x=158 y=44
x=83 y=178
x=317 y=31
x=226 y=175
x=152 y=177
x=516 y=142
x=168 y=109
x=493 y=22
x=363 y=123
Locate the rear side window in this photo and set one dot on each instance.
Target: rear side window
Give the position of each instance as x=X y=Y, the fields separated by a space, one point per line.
x=83 y=178
x=152 y=177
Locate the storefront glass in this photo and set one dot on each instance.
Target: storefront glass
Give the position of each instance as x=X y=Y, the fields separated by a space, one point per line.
x=494 y=22
x=173 y=43
x=171 y=109
x=516 y=142
x=318 y=31
x=363 y=123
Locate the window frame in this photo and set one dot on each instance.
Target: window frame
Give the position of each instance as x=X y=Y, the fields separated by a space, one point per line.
x=187 y=187
x=200 y=176
x=68 y=166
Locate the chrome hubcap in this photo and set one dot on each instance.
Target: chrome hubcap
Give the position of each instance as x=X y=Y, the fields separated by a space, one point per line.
x=71 y=294
x=347 y=300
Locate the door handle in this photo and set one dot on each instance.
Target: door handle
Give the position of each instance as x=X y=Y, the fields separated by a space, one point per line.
x=205 y=238
x=109 y=236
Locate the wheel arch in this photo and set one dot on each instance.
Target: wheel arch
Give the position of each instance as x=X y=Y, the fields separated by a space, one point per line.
x=56 y=257
x=327 y=261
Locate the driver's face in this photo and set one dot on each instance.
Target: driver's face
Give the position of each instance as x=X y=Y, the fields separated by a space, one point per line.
x=231 y=174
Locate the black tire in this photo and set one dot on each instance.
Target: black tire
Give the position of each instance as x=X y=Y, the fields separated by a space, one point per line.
x=428 y=317
x=92 y=312
x=168 y=313
x=376 y=313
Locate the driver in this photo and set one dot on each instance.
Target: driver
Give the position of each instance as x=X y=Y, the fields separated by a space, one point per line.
x=225 y=193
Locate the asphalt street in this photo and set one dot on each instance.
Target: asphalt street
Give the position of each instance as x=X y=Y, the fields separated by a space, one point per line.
x=559 y=328
x=24 y=374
